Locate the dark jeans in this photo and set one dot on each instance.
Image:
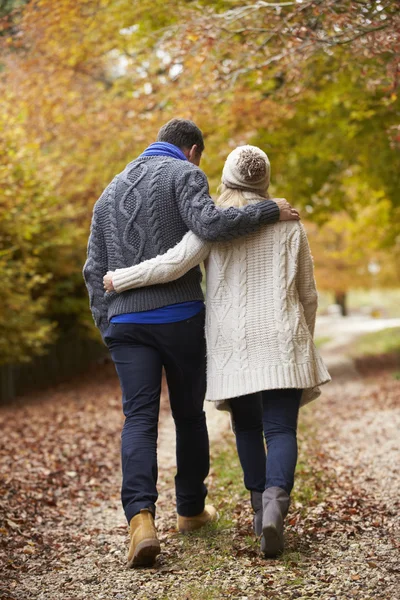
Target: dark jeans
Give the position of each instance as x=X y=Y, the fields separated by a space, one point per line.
x=274 y=414
x=140 y=352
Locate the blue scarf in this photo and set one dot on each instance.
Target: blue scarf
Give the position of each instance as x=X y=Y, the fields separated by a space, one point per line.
x=164 y=149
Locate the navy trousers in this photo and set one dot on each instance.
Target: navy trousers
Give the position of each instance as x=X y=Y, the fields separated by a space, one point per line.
x=272 y=414
x=139 y=352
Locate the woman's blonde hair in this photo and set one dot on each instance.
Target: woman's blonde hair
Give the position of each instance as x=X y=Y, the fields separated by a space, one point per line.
x=238 y=198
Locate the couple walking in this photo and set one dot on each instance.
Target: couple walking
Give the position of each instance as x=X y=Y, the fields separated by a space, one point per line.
x=251 y=352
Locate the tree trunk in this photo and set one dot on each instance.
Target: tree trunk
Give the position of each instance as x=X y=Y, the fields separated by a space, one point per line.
x=341 y=300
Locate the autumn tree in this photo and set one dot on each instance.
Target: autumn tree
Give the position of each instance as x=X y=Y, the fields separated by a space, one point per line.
x=351 y=253
x=32 y=231
x=68 y=125
x=85 y=85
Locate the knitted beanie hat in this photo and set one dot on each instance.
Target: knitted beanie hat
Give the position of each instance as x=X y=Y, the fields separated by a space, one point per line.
x=247 y=168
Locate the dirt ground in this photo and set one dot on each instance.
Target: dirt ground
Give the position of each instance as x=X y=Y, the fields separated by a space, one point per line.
x=64 y=537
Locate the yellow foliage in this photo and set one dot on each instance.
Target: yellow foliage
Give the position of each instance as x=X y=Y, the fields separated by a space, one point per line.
x=86 y=84
x=349 y=249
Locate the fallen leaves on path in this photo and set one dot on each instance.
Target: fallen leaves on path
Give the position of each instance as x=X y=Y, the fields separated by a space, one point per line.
x=63 y=538
x=59 y=453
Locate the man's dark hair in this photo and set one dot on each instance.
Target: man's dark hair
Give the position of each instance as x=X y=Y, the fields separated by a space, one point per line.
x=181 y=133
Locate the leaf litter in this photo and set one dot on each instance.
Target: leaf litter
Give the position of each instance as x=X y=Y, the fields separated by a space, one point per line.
x=63 y=535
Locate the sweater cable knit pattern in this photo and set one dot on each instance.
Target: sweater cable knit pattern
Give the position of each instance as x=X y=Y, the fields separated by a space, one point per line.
x=153 y=208
x=241 y=259
x=206 y=219
x=218 y=309
x=116 y=250
x=146 y=209
x=133 y=236
x=186 y=255
x=257 y=338
x=281 y=284
x=302 y=342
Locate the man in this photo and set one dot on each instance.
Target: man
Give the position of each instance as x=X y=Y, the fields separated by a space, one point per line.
x=143 y=212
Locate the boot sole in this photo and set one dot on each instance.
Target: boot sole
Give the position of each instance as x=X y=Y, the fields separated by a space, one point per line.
x=145 y=554
x=271 y=543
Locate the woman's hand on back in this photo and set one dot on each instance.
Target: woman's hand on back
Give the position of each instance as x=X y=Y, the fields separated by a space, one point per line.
x=287 y=212
x=108 y=282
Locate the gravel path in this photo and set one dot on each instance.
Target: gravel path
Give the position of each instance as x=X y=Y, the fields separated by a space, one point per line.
x=343 y=544
x=89 y=541
x=357 y=427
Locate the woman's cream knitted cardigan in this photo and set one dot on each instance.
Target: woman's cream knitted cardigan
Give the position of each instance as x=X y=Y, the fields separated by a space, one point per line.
x=261 y=305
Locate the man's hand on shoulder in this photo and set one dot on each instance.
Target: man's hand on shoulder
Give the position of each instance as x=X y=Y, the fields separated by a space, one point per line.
x=287 y=213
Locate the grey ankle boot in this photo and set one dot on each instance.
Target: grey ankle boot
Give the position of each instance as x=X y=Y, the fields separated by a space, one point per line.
x=275 y=508
x=256 y=504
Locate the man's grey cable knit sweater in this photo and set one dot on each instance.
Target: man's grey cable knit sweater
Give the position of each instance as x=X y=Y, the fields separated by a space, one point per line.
x=143 y=212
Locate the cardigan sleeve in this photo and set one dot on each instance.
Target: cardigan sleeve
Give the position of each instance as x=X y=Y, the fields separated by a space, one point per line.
x=305 y=281
x=177 y=261
x=211 y=223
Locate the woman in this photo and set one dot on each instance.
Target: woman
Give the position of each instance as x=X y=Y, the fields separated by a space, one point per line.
x=261 y=361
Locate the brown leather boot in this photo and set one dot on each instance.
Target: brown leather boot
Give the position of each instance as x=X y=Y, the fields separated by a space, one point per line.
x=186 y=524
x=144 y=545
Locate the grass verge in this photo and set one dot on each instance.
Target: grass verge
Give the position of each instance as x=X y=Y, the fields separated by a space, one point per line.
x=386 y=341
x=377 y=351
x=321 y=341
x=223 y=560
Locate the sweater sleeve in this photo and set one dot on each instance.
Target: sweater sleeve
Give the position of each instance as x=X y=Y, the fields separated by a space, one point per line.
x=177 y=261
x=305 y=281
x=214 y=224
x=94 y=270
